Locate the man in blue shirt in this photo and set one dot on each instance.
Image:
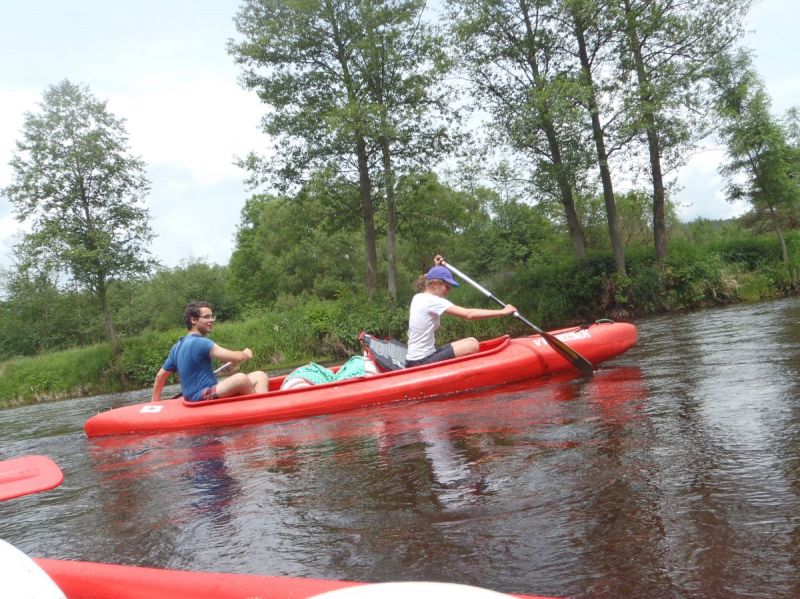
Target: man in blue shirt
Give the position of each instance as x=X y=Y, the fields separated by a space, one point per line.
x=191 y=357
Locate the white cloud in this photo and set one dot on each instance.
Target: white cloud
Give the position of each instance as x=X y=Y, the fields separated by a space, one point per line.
x=188 y=133
x=201 y=124
x=15 y=103
x=700 y=192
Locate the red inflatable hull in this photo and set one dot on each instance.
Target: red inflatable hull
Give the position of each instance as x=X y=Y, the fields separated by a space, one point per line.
x=500 y=361
x=89 y=580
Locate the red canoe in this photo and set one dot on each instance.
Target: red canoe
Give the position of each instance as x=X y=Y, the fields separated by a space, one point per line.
x=499 y=361
x=89 y=580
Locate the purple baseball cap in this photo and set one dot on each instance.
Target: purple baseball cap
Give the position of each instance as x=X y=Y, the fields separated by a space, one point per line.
x=441 y=272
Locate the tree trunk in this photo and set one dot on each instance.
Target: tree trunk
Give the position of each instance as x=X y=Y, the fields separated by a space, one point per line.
x=653 y=142
x=554 y=148
x=110 y=331
x=368 y=215
x=775 y=225
x=391 y=222
x=659 y=220
x=364 y=183
x=602 y=157
x=565 y=190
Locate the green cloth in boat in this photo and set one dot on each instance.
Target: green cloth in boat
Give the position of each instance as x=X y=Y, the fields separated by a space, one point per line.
x=317 y=374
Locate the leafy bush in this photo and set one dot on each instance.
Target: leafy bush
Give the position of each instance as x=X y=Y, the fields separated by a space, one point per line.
x=750 y=253
x=142 y=356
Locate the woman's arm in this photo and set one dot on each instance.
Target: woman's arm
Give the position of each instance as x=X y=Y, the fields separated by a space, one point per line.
x=479 y=313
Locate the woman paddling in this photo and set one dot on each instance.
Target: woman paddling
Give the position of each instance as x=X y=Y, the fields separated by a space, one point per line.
x=425 y=313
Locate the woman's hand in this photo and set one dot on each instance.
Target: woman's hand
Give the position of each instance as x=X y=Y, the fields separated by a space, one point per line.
x=438 y=260
x=509 y=310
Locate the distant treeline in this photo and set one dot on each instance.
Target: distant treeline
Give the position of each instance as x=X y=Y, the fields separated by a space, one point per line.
x=730 y=265
x=290 y=248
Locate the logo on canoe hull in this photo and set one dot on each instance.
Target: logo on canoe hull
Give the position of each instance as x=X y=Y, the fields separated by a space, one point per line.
x=568 y=336
x=147 y=409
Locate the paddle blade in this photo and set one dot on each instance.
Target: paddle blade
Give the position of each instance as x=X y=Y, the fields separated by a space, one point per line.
x=28 y=474
x=570 y=354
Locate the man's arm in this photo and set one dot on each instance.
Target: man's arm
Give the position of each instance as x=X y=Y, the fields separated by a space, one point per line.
x=228 y=355
x=158 y=384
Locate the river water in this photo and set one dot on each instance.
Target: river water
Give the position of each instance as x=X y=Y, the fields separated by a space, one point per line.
x=674 y=472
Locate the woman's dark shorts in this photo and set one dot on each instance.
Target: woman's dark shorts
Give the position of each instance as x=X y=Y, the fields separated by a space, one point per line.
x=443 y=353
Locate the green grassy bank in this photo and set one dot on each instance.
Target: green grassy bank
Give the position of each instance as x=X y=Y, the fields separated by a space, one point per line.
x=295 y=330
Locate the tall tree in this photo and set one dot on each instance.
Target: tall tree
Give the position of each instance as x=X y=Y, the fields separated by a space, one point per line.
x=592 y=40
x=511 y=54
x=299 y=58
x=672 y=47
x=413 y=119
x=77 y=185
x=763 y=166
x=349 y=85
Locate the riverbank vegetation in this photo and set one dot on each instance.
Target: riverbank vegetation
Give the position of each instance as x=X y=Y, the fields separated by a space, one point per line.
x=560 y=201
x=709 y=264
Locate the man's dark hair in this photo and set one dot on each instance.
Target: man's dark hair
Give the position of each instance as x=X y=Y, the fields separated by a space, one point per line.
x=193 y=311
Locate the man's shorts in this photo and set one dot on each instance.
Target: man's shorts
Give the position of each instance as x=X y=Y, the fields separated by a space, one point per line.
x=209 y=393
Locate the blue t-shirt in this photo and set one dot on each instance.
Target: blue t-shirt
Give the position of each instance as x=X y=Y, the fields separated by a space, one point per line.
x=191 y=357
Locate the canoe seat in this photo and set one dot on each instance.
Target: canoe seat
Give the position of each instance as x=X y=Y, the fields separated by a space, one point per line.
x=388 y=354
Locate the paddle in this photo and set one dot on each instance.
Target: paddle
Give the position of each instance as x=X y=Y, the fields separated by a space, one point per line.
x=28 y=474
x=223 y=367
x=562 y=348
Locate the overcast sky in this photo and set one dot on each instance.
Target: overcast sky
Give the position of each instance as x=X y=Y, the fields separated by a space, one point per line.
x=162 y=66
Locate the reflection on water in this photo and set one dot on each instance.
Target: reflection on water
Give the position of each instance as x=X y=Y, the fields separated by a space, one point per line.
x=673 y=472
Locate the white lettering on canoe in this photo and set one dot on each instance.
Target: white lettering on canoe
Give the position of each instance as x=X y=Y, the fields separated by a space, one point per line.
x=567 y=336
x=150 y=409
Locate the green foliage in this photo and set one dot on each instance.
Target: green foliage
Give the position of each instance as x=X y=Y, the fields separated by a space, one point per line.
x=33 y=317
x=69 y=373
x=81 y=192
x=646 y=286
x=358 y=95
x=297 y=328
x=37 y=317
x=521 y=73
x=763 y=162
x=432 y=218
x=158 y=302
x=293 y=246
x=750 y=253
x=141 y=357
x=558 y=292
x=692 y=283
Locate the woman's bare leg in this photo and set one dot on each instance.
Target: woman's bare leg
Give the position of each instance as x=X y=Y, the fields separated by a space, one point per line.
x=465 y=347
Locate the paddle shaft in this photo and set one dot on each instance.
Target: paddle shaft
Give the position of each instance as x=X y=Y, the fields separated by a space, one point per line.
x=223 y=367
x=562 y=348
